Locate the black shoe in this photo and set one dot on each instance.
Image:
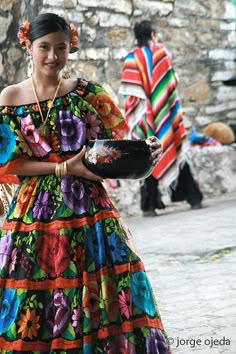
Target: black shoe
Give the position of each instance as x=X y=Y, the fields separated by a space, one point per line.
x=149 y=213
x=196 y=206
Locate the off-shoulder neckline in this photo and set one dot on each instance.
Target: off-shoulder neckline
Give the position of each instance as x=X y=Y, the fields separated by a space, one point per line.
x=44 y=101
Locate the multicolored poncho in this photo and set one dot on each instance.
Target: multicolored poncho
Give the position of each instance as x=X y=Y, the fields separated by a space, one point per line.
x=151 y=103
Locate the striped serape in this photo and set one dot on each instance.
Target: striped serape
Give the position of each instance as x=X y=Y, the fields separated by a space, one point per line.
x=152 y=105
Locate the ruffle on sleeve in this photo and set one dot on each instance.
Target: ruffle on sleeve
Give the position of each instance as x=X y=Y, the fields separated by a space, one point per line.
x=11 y=153
x=110 y=114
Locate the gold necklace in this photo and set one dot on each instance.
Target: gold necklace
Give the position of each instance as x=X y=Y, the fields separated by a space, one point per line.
x=44 y=129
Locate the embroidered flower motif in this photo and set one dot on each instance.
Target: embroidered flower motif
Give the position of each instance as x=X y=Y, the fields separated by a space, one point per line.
x=71 y=131
x=53 y=253
x=37 y=143
x=43 y=206
x=110 y=115
x=23 y=33
x=99 y=195
x=125 y=303
x=28 y=324
x=12 y=265
x=155 y=342
x=5 y=249
x=90 y=303
x=22 y=143
x=25 y=198
x=94 y=244
x=110 y=298
x=103 y=154
x=92 y=125
x=78 y=258
x=76 y=318
x=73 y=39
x=74 y=194
x=7 y=143
x=57 y=312
x=141 y=293
x=117 y=249
x=119 y=341
x=8 y=309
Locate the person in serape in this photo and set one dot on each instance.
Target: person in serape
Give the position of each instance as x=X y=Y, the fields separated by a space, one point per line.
x=152 y=107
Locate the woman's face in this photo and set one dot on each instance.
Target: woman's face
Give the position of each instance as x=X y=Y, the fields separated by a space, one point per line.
x=50 y=53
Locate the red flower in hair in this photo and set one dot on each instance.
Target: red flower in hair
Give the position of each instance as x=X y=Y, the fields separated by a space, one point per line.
x=23 y=33
x=74 y=38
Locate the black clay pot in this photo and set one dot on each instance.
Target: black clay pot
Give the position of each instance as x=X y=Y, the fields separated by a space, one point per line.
x=119 y=159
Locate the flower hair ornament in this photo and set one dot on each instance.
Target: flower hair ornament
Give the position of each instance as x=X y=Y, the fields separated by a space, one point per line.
x=23 y=36
x=74 y=39
x=23 y=33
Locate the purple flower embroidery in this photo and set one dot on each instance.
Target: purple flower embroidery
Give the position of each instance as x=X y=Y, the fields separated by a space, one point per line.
x=71 y=131
x=77 y=319
x=42 y=208
x=5 y=249
x=92 y=125
x=156 y=342
x=57 y=311
x=74 y=194
x=13 y=261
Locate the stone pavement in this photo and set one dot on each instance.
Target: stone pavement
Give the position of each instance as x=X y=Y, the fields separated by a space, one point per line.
x=190 y=256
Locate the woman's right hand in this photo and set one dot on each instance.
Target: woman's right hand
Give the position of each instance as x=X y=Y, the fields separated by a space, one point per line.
x=76 y=167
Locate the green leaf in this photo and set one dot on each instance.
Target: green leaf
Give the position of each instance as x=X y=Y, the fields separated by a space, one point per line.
x=72 y=267
x=66 y=213
x=137 y=311
x=146 y=331
x=39 y=274
x=12 y=332
x=40 y=305
x=69 y=333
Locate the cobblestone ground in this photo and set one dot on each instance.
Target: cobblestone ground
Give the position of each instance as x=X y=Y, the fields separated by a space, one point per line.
x=190 y=257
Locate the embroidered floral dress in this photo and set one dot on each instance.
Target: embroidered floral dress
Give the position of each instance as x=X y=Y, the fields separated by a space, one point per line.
x=70 y=282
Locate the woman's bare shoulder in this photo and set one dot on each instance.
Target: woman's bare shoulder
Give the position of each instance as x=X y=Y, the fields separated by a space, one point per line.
x=12 y=95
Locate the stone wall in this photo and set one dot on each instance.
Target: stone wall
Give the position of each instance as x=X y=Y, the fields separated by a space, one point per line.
x=199 y=33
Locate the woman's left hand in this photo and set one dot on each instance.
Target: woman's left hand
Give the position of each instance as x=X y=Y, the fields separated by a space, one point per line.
x=156 y=149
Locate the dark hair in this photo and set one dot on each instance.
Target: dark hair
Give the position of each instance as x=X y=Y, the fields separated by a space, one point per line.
x=48 y=23
x=143 y=31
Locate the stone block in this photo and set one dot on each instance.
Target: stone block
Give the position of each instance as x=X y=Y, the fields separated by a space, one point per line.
x=6 y=5
x=107 y=19
x=117 y=6
x=154 y=7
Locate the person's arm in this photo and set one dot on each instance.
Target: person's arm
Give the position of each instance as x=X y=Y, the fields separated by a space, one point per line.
x=75 y=167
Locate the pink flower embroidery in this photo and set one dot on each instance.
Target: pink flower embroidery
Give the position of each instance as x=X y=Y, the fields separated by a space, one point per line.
x=76 y=318
x=125 y=303
x=37 y=143
x=92 y=125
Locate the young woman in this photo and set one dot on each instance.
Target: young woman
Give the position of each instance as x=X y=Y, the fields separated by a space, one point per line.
x=70 y=281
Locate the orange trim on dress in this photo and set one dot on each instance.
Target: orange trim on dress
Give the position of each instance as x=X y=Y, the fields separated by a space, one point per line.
x=59 y=343
x=60 y=282
x=57 y=224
